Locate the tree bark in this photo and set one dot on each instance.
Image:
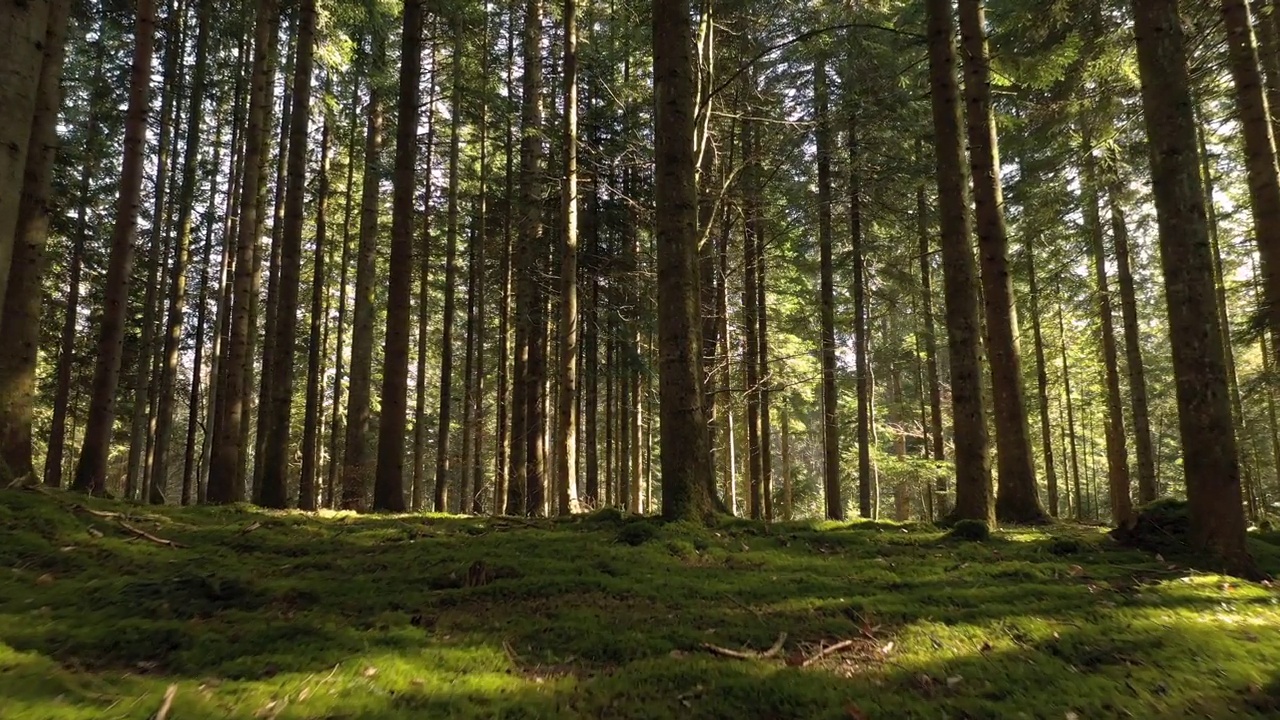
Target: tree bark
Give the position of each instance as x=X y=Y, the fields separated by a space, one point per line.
x=388 y=489
x=1042 y=383
x=91 y=468
x=1147 y=488
x=686 y=467
x=566 y=440
x=1017 y=499
x=443 y=474
x=226 y=468
x=861 y=329
x=826 y=299
x=22 y=36
x=20 y=311
x=1210 y=458
x=959 y=274
x=308 y=491
x=336 y=428
x=357 y=457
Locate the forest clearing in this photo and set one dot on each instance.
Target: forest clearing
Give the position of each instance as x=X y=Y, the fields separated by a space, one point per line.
x=257 y=614
x=532 y=358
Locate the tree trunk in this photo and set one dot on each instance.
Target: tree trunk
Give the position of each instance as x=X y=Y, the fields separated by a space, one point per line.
x=388 y=489
x=357 y=458
x=181 y=253
x=1210 y=459
x=451 y=272
x=134 y=482
x=762 y=349
x=964 y=344
x=940 y=489
x=225 y=468
x=505 y=499
x=750 y=321
x=336 y=429
x=91 y=469
x=686 y=468
x=861 y=329
x=1117 y=452
x=20 y=311
x=479 y=289
x=22 y=37
x=566 y=441
x=308 y=494
x=1042 y=382
x=1017 y=499
x=826 y=299
x=1260 y=149
x=1147 y=488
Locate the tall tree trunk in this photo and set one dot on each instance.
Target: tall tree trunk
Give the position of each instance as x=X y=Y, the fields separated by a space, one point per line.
x=357 y=458
x=1071 y=414
x=419 y=489
x=505 y=499
x=686 y=467
x=22 y=37
x=225 y=467
x=479 y=323
x=91 y=468
x=174 y=47
x=959 y=274
x=1017 y=499
x=308 y=494
x=762 y=349
x=20 y=312
x=336 y=428
x=826 y=299
x=1117 y=452
x=451 y=272
x=750 y=321
x=1042 y=382
x=1210 y=458
x=861 y=328
x=274 y=488
x=566 y=441
x=1260 y=149
x=1147 y=489
x=939 y=499
x=181 y=254
x=388 y=489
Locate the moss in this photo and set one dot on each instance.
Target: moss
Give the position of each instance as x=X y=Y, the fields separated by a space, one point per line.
x=974 y=530
x=338 y=616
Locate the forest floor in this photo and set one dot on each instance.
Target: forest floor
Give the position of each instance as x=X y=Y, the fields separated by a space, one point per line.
x=253 y=614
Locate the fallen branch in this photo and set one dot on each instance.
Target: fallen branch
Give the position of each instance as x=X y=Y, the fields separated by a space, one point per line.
x=148 y=536
x=98 y=513
x=167 y=705
x=250 y=528
x=747 y=654
x=827 y=651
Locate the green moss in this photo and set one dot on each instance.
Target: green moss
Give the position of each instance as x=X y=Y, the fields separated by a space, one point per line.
x=406 y=617
x=974 y=530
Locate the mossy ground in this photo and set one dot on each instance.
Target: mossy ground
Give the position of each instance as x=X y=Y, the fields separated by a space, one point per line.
x=271 y=615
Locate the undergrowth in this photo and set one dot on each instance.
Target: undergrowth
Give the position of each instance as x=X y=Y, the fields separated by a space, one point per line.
x=283 y=615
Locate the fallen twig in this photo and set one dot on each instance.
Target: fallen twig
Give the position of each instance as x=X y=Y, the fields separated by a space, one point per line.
x=827 y=651
x=148 y=536
x=98 y=513
x=165 y=706
x=747 y=654
x=250 y=527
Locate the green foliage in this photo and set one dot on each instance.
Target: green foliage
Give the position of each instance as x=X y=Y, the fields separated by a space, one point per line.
x=637 y=532
x=407 y=617
x=974 y=530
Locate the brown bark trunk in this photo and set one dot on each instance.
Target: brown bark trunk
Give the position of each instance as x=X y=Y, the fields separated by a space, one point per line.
x=959 y=274
x=443 y=475
x=861 y=329
x=91 y=468
x=308 y=488
x=1209 y=449
x=826 y=299
x=336 y=428
x=20 y=311
x=1042 y=383
x=1017 y=499
x=686 y=468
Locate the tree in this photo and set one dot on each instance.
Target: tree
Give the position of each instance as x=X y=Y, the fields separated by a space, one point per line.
x=1204 y=412
x=1017 y=499
x=567 y=417
x=91 y=468
x=973 y=472
x=686 y=469
x=826 y=301
x=20 y=309
x=388 y=489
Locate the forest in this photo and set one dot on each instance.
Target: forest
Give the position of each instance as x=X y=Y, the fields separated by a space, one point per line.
x=625 y=359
